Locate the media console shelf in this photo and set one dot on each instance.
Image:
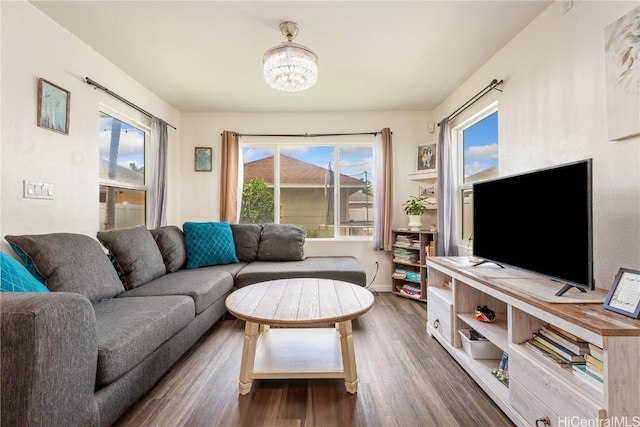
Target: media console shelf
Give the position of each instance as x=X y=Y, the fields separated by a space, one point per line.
x=540 y=392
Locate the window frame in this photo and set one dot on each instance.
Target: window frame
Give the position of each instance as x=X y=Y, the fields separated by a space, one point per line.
x=458 y=151
x=146 y=129
x=277 y=145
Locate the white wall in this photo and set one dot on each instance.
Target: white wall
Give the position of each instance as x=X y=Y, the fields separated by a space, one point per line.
x=201 y=195
x=553 y=110
x=34 y=46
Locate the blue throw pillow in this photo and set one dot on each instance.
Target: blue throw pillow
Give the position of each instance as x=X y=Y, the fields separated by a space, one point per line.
x=209 y=243
x=14 y=277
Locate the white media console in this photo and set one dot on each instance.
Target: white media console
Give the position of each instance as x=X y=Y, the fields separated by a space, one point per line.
x=540 y=392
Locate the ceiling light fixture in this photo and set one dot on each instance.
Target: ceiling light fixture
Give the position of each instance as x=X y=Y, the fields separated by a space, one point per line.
x=290 y=67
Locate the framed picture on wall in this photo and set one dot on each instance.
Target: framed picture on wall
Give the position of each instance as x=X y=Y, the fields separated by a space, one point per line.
x=623 y=76
x=202 y=159
x=427 y=190
x=53 y=107
x=426 y=157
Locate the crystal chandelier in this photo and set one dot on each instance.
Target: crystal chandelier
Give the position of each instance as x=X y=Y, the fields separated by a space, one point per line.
x=290 y=67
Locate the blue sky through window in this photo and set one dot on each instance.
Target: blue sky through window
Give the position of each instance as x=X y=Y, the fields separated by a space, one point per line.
x=131 y=147
x=481 y=145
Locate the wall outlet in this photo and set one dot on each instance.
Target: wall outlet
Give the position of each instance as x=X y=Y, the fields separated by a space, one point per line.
x=37 y=190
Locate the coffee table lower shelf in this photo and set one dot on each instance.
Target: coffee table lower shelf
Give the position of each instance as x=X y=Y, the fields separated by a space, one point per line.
x=298 y=353
x=287 y=353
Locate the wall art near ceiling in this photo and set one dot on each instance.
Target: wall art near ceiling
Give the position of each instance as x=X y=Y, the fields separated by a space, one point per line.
x=53 y=107
x=426 y=157
x=622 y=58
x=203 y=159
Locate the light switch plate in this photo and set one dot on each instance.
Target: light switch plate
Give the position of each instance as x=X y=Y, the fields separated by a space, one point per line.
x=37 y=190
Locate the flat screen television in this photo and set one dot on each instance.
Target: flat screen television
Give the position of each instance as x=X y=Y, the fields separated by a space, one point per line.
x=539 y=221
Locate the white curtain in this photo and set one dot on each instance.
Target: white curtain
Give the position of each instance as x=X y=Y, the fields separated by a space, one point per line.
x=447 y=224
x=157 y=188
x=382 y=187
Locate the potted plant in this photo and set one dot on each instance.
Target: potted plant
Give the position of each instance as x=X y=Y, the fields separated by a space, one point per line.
x=415 y=207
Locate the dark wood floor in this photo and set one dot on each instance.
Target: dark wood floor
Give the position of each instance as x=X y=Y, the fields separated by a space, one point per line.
x=405 y=379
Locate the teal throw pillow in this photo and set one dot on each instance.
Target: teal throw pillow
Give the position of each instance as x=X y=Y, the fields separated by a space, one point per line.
x=209 y=243
x=15 y=277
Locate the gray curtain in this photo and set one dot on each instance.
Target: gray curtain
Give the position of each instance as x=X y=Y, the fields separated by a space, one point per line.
x=157 y=188
x=383 y=191
x=447 y=224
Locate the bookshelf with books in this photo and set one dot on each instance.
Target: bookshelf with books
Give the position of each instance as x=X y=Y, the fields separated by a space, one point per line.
x=573 y=361
x=410 y=251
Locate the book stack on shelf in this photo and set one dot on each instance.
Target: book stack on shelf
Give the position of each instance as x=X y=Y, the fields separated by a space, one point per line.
x=408 y=240
x=406 y=274
x=430 y=249
x=406 y=256
x=592 y=372
x=559 y=346
x=411 y=290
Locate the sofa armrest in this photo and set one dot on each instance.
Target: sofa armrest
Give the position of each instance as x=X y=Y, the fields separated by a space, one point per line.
x=48 y=357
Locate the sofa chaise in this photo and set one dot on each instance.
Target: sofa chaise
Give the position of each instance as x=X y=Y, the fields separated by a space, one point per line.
x=116 y=317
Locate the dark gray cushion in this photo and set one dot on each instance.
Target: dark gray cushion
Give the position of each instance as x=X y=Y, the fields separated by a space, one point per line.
x=136 y=252
x=203 y=285
x=170 y=241
x=345 y=268
x=281 y=242
x=129 y=329
x=247 y=239
x=70 y=263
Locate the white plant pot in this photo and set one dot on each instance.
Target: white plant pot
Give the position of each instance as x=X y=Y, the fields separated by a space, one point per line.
x=415 y=222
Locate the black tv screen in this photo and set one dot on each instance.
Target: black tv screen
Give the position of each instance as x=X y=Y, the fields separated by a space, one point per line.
x=539 y=221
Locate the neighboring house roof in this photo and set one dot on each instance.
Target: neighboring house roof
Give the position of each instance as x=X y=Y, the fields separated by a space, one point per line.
x=294 y=172
x=491 y=172
x=123 y=174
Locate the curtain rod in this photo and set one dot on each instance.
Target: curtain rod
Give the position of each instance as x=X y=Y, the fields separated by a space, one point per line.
x=118 y=97
x=493 y=85
x=306 y=135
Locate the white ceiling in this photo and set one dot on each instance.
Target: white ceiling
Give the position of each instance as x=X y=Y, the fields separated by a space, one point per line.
x=372 y=55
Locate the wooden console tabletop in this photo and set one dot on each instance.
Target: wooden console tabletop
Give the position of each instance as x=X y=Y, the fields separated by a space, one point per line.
x=537 y=291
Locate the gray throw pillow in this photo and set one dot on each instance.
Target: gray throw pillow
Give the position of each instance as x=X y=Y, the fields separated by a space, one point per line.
x=137 y=254
x=170 y=241
x=247 y=240
x=281 y=242
x=69 y=263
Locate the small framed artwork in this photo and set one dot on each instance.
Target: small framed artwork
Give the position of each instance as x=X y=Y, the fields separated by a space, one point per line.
x=426 y=157
x=624 y=295
x=427 y=190
x=203 y=159
x=53 y=107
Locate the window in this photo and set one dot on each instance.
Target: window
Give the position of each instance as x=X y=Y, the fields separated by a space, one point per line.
x=477 y=140
x=327 y=188
x=122 y=173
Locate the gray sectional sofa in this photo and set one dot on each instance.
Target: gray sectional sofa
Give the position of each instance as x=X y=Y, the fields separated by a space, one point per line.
x=113 y=324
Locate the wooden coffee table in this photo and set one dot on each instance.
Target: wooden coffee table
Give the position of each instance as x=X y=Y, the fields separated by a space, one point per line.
x=299 y=347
